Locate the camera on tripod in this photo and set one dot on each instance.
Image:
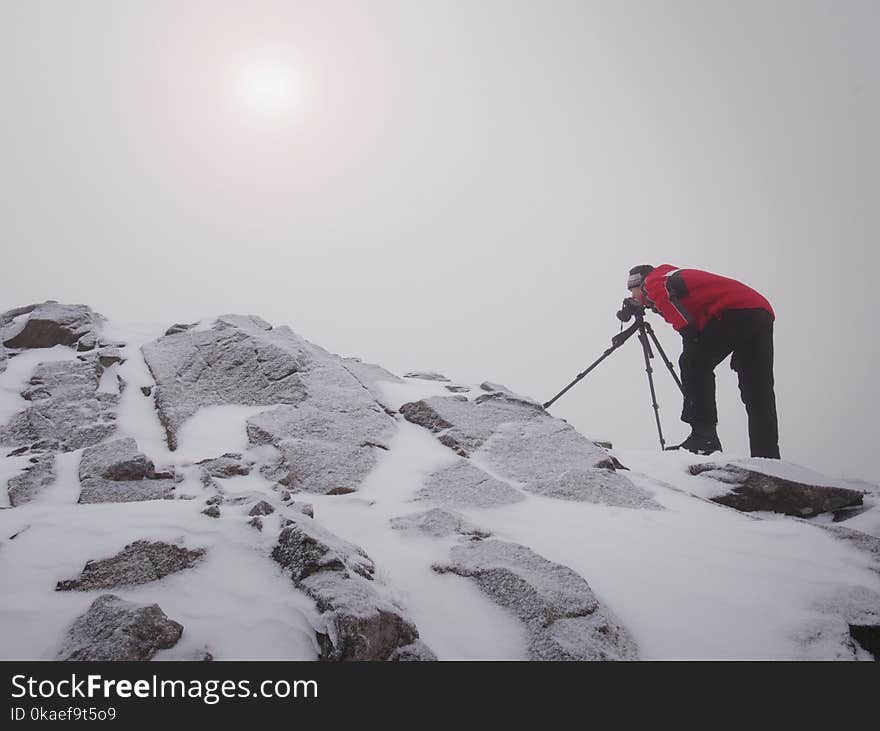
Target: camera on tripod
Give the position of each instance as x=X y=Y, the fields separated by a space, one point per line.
x=631 y=308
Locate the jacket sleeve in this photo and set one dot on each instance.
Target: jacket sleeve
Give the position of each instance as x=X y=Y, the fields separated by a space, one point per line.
x=665 y=290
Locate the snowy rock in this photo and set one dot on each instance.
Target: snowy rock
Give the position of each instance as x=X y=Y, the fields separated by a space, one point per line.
x=426 y=376
x=138 y=563
x=3 y=359
x=116 y=472
x=87 y=342
x=458 y=389
x=212 y=511
x=489 y=386
x=116 y=630
x=105 y=357
x=438 y=523
x=304 y=508
x=416 y=652
x=519 y=441
x=51 y=323
x=863 y=541
x=358 y=622
x=66 y=407
x=329 y=440
x=564 y=618
x=750 y=489
x=240 y=360
x=261 y=508
x=8 y=327
x=116 y=460
x=256 y=522
x=147 y=390
x=228 y=465
x=39 y=473
x=848 y=625
x=461 y=484
x=179 y=328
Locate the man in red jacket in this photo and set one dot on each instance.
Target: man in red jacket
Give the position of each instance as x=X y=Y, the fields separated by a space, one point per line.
x=716 y=316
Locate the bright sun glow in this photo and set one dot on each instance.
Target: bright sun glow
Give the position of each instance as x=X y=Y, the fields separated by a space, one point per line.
x=268 y=88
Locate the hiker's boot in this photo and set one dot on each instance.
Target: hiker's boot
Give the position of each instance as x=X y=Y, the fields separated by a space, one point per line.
x=703 y=440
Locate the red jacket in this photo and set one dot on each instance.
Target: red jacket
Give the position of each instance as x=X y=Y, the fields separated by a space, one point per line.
x=693 y=297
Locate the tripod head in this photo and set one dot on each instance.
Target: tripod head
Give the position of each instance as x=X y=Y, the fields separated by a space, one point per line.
x=631 y=308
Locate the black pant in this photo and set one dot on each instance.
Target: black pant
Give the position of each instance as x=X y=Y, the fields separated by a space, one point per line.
x=748 y=334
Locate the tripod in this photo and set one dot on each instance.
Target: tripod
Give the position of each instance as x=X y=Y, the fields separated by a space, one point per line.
x=645 y=331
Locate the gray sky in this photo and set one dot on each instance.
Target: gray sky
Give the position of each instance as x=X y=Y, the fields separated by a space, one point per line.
x=462 y=186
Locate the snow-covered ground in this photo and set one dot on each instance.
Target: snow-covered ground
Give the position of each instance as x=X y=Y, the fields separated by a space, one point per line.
x=695 y=580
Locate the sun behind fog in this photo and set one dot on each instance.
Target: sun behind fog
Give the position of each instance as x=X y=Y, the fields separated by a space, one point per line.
x=268 y=88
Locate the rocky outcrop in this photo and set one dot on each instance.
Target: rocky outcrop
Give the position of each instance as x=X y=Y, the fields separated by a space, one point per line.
x=39 y=473
x=50 y=324
x=66 y=408
x=438 y=523
x=426 y=376
x=359 y=623
x=564 y=619
x=325 y=422
x=116 y=472
x=113 y=629
x=261 y=508
x=227 y=465
x=846 y=622
x=138 y=563
x=750 y=489
x=516 y=439
x=416 y=652
x=462 y=485
x=240 y=360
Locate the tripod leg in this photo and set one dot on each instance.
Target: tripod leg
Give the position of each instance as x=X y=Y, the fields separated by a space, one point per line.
x=616 y=342
x=666 y=360
x=646 y=350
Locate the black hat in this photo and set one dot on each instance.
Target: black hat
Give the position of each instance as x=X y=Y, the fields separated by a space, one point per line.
x=637 y=275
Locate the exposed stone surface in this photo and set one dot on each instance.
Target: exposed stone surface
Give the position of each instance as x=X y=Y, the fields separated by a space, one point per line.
x=489 y=386
x=3 y=359
x=426 y=376
x=227 y=465
x=518 y=440
x=418 y=651
x=438 y=523
x=179 y=328
x=117 y=472
x=212 y=511
x=51 y=323
x=256 y=522
x=462 y=484
x=66 y=407
x=39 y=473
x=304 y=508
x=327 y=442
x=325 y=423
x=359 y=622
x=261 y=508
x=458 y=389
x=113 y=629
x=564 y=618
x=138 y=563
x=752 y=490
x=240 y=360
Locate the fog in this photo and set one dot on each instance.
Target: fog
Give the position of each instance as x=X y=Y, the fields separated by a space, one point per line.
x=462 y=186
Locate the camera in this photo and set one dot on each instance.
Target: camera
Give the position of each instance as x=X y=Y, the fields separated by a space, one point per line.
x=631 y=308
